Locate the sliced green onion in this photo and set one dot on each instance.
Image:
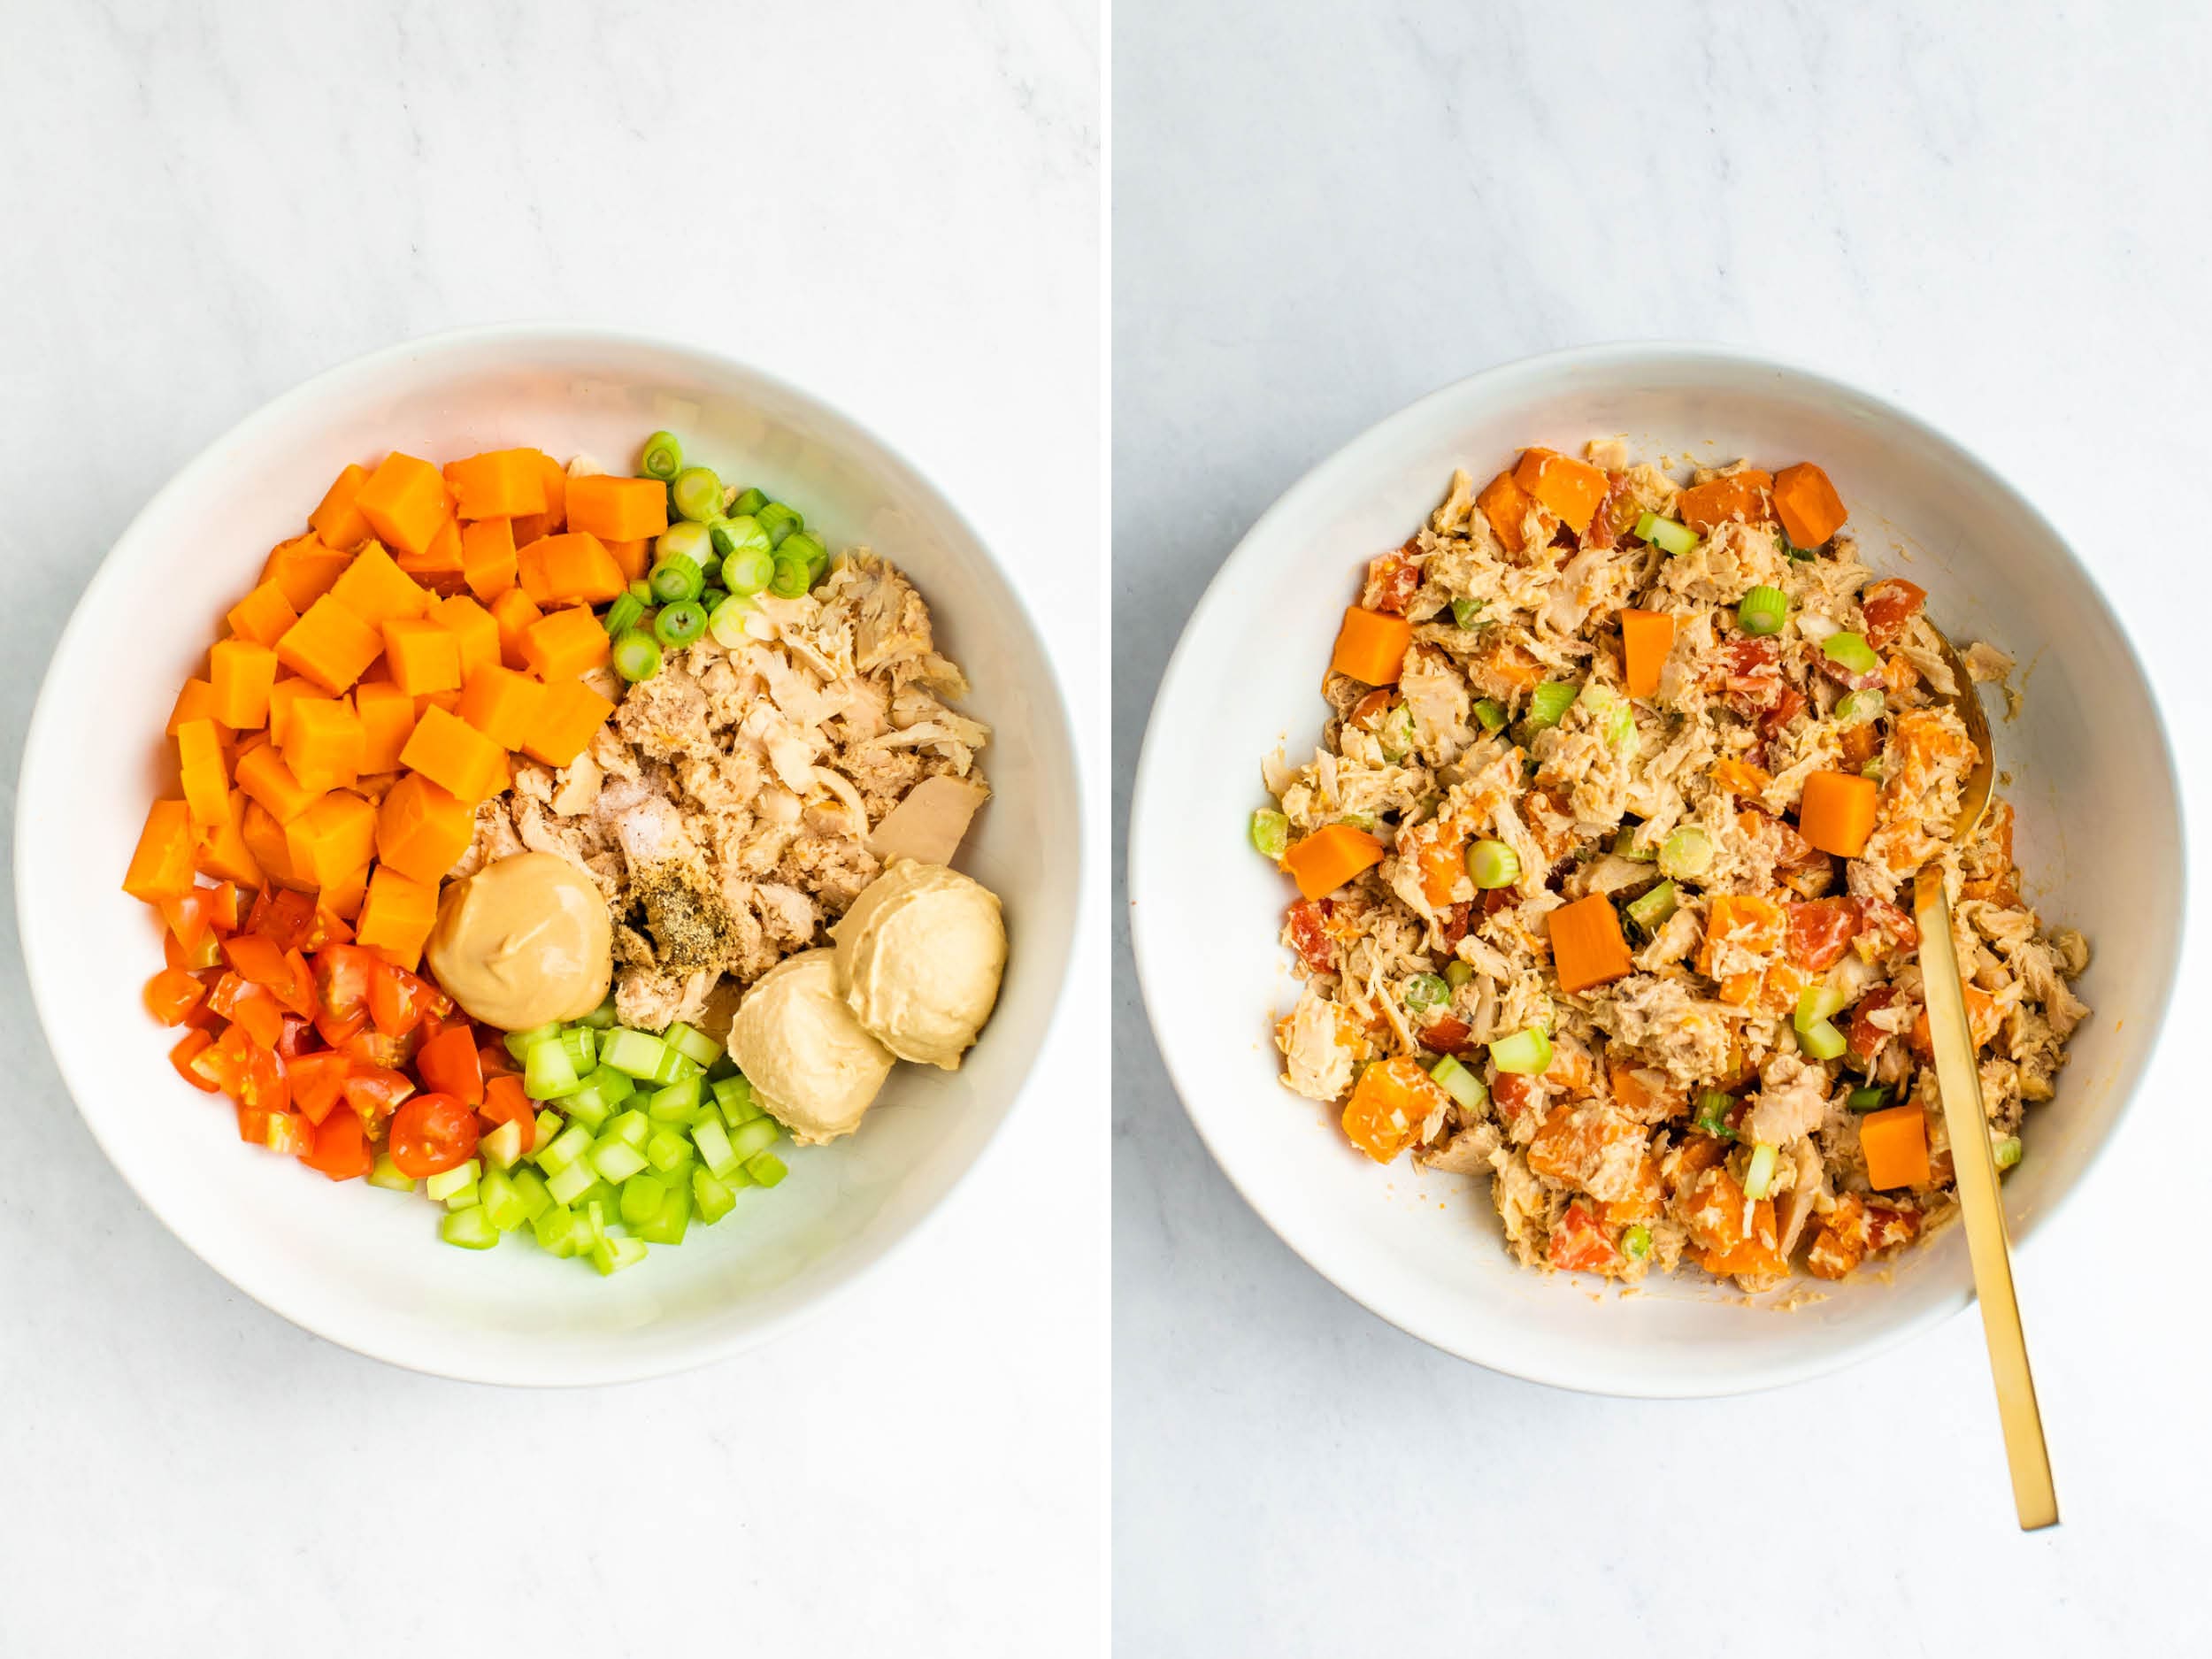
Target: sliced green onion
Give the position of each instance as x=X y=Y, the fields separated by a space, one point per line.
x=623 y=615
x=1763 y=611
x=1867 y=1100
x=1790 y=550
x=1458 y=1082
x=1686 y=855
x=778 y=520
x=1625 y=846
x=1466 y=610
x=2007 y=1152
x=675 y=577
x=1855 y=708
x=1636 y=1242
x=792 y=578
x=681 y=623
x=684 y=540
x=1872 y=768
x=726 y=621
x=1271 y=833
x=1820 y=1040
x=1492 y=864
x=750 y=561
x=1526 y=1052
x=767 y=1170
x=1851 y=653
x=800 y=544
x=1666 y=534
x=504 y=1145
x=1713 y=1108
x=387 y=1174
x=637 y=657
x=1425 y=991
x=697 y=494
x=547 y=1072
x=1652 y=910
x=711 y=598
x=1457 y=973
x=728 y=536
x=471 y=1229
x=641 y=591
x=749 y=501
x=1758 y=1176
x=445 y=1183
x=714 y=1199
x=664 y=456
x=1490 y=713
x=1815 y=1004
x=1549 y=700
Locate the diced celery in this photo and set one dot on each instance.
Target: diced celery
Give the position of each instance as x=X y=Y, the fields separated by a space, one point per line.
x=445 y=1183
x=675 y=1103
x=520 y=1042
x=641 y=1196
x=1457 y=973
x=471 y=1229
x=1491 y=712
x=637 y=1052
x=565 y=1148
x=1815 y=1004
x=464 y=1197
x=694 y=1043
x=580 y=1044
x=767 y=1170
x=501 y=1204
x=616 y=1160
x=1652 y=912
x=714 y=1199
x=573 y=1181
x=504 y=1145
x=1667 y=535
x=612 y=1255
x=1527 y=1051
x=602 y=1017
x=734 y=1096
x=1758 y=1176
x=547 y=1072
x=668 y=1224
x=1821 y=1040
x=757 y=1136
x=387 y=1174
x=548 y=1126
x=714 y=1148
x=1458 y=1082
x=556 y=1230
x=594 y=1214
x=1550 y=701
x=530 y=1187
x=631 y=1127
x=664 y=1149
x=675 y=1067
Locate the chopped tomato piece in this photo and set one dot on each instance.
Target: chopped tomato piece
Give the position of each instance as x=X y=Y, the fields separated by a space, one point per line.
x=495 y=1060
x=1391 y=580
x=432 y=1133
x=1890 y=605
x=1860 y=1032
x=285 y=1132
x=374 y=1092
x=316 y=1081
x=190 y=918
x=1820 y=932
x=173 y=994
x=399 y=1000
x=1578 y=1245
x=299 y=1039
x=450 y=1064
x=181 y=1056
x=205 y=952
x=1515 y=1093
x=284 y=917
x=341 y=1149
x=1306 y=922
x=342 y=973
x=370 y=1047
x=506 y=1103
x=258 y=958
x=251 y=1008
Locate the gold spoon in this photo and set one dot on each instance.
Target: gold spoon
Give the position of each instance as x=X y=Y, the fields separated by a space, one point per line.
x=1973 y=1161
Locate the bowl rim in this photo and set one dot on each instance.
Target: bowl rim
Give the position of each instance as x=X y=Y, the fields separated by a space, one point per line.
x=607 y=1364
x=1381 y=438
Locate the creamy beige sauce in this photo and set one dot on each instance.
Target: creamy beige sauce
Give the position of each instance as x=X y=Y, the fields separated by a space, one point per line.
x=523 y=941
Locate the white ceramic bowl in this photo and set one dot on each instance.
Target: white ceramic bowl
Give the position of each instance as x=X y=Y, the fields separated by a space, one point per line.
x=364 y=1267
x=2100 y=837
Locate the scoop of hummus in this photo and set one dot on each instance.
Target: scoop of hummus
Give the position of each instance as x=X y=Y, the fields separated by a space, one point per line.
x=523 y=941
x=921 y=952
x=809 y=1062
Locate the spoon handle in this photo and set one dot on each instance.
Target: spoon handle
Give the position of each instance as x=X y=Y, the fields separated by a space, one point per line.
x=1975 y=1165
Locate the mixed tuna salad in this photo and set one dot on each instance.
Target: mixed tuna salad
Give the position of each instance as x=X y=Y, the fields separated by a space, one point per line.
x=1604 y=868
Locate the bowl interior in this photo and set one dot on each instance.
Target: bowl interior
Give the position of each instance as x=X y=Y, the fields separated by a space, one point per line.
x=2098 y=838
x=365 y=1267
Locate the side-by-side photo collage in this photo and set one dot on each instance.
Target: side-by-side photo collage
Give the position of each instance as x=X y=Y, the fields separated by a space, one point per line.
x=1099 y=829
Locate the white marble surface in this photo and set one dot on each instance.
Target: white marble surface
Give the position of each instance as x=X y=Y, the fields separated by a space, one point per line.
x=1970 y=208
x=897 y=206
